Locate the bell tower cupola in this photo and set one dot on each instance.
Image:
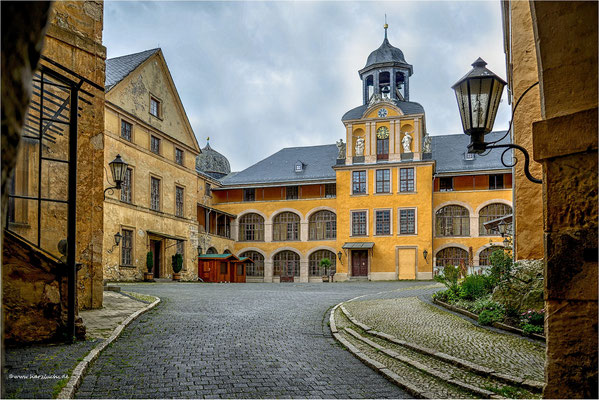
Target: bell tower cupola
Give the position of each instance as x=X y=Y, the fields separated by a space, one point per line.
x=386 y=74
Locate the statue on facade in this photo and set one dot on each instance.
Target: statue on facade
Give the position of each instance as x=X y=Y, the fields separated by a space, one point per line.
x=360 y=147
x=406 y=143
x=426 y=144
x=341 y=148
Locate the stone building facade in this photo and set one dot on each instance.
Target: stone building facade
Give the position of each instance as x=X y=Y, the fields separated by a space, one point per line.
x=555 y=43
x=36 y=304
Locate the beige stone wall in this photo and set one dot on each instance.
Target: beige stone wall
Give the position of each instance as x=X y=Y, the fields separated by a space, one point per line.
x=522 y=72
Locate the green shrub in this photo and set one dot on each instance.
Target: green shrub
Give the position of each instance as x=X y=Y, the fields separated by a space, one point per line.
x=474 y=287
x=449 y=277
x=177 y=261
x=529 y=329
x=446 y=296
x=501 y=266
x=325 y=264
x=150 y=261
x=533 y=317
x=485 y=303
x=487 y=317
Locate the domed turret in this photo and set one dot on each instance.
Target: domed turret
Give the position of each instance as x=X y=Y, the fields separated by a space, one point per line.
x=212 y=163
x=386 y=73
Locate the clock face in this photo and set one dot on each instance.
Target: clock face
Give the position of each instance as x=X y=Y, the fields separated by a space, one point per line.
x=382 y=112
x=382 y=132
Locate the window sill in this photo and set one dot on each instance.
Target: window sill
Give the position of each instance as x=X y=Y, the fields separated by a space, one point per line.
x=414 y=192
x=128 y=266
x=323 y=240
x=384 y=235
x=452 y=237
x=407 y=234
x=359 y=236
x=358 y=194
x=383 y=194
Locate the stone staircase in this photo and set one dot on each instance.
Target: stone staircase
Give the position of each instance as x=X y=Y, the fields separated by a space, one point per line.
x=423 y=372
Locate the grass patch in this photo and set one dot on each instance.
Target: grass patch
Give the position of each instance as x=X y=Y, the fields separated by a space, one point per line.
x=59 y=386
x=142 y=297
x=509 y=392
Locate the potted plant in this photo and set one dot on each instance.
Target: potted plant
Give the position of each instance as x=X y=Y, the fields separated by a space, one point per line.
x=325 y=264
x=149 y=276
x=177 y=261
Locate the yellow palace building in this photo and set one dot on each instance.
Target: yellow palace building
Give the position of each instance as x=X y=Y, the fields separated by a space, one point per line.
x=386 y=202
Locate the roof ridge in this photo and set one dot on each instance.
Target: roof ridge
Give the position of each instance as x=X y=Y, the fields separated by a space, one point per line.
x=134 y=54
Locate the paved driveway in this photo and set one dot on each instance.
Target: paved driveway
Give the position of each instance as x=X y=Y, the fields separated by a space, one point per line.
x=238 y=340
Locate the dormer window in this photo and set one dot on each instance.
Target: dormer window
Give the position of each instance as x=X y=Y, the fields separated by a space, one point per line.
x=468 y=156
x=299 y=166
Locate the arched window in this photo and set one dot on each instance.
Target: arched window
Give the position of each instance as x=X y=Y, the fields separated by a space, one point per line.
x=286 y=227
x=369 y=87
x=227 y=251
x=257 y=268
x=489 y=213
x=385 y=84
x=211 y=250
x=314 y=263
x=452 y=221
x=451 y=256
x=251 y=228
x=286 y=264
x=483 y=258
x=323 y=225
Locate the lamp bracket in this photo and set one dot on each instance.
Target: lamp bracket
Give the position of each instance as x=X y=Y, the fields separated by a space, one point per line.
x=509 y=146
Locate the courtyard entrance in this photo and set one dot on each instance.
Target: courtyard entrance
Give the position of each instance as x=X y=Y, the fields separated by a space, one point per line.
x=155 y=248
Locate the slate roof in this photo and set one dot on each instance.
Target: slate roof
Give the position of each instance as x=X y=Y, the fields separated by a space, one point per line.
x=212 y=163
x=384 y=54
x=407 y=107
x=448 y=151
x=119 y=67
x=280 y=167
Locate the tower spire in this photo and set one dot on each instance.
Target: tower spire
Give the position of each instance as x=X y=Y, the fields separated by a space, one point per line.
x=385 y=26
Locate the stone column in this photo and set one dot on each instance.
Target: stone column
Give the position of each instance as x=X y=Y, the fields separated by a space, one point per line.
x=349 y=143
x=268 y=232
x=303 y=271
x=416 y=139
x=235 y=230
x=398 y=137
x=268 y=268
x=367 y=139
x=392 y=82
x=304 y=231
x=376 y=83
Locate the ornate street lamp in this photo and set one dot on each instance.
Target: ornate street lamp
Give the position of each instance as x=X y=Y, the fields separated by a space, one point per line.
x=478 y=94
x=118 y=167
x=199 y=250
x=117 y=240
x=339 y=255
x=502 y=226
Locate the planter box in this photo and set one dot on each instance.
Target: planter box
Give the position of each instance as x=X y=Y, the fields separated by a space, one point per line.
x=149 y=276
x=176 y=276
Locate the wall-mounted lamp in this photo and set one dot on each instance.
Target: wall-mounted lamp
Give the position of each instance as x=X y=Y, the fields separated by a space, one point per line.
x=502 y=226
x=425 y=254
x=117 y=241
x=478 y=94
x=118 y=167
x=199 y=250
x=339 y=255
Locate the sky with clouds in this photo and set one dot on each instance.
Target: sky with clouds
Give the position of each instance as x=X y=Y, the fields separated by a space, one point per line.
x=259 y=76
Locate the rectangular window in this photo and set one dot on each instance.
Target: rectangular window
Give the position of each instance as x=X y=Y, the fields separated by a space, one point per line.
x=359 y=182
x=383 y=222
x=291 y=192
x=406 y=179
x=359 y=222
x=154 y=144
x=496 y=181
x=154 y=107
x=126 y=186
x=127 y=247
x=179 y=156
x=383 y=181
x=382 y=149
x=407 y=221
x=249 y=194
x=179 y=192
x=155 y=194
x=330 y=190
x=126 y=130
x=208 y=189
x=446 y=184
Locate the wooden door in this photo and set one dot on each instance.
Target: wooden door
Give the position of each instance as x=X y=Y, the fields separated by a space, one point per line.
x=359 y=261
x=406 y=261
x=155 y=247
x=288 y=271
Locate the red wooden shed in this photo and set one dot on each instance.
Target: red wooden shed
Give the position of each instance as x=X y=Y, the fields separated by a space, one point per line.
x=222 y=268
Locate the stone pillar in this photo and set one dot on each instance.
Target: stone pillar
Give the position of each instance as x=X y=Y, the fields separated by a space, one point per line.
x=268 y=231
x=268 y=268
x=235 y=230
x=416 y=149
x=303 y=271
x=349 y=140
x=304 y=231
x=392 y=82
x=398 y=137
x=392 y=154
x=376 y=83
x=367 y=139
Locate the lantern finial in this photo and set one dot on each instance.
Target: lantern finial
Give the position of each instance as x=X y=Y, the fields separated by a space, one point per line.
x=479 y=63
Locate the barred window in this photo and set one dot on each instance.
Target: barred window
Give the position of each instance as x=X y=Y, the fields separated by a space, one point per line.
x=154 y=144
x=489 y=213
x=330 y=190
x=179 y=204
x=285 y=227
x=359 y=182
x=155 y=194
x=249 y=194
x=496 y=181
x=406 y=179
x=126 y=186
x=257 y=268
x=452 y=221
x=383 y=181
x=407 y=221
x=358 y=223
x=383 y=222
x=291 y=192
x=251 y=228
x=483 y=259
x=286 y=263
x=323 y=225
x=126 y=130
x=179 y=156
x=314 y=263
x=451 y=256
x=446 y=184
x=127 y=247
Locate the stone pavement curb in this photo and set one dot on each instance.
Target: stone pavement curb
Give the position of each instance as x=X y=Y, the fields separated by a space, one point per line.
x=75 y=380
x=477 y=369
